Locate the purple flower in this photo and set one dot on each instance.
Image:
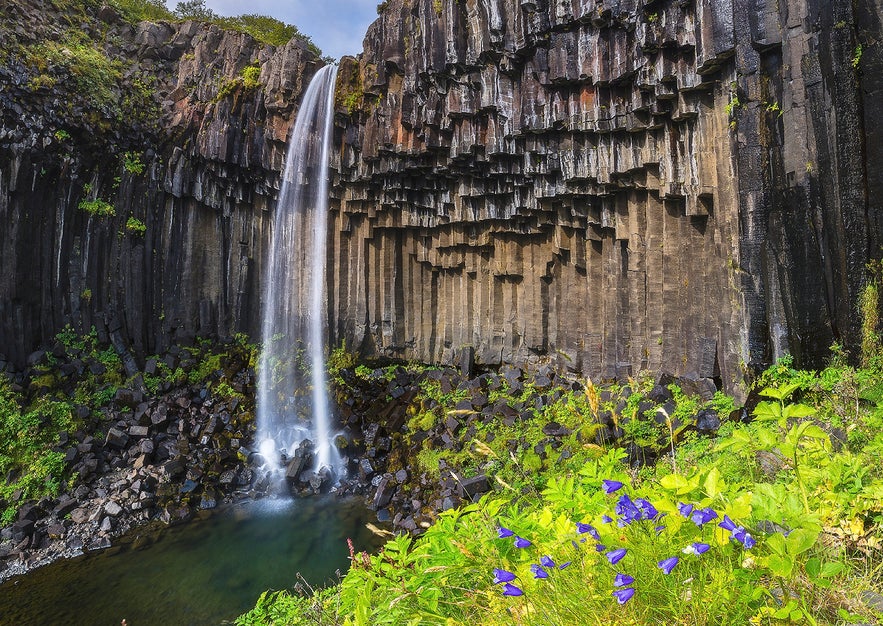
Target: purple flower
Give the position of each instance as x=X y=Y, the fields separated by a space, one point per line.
x=703 y=516
x=563 y=565
x=512 y=590
x=502 y=576
x=741 y=535
x=600 y=547
x=588 y=528
x=538 y=572
x=606 y=519
x=728 y=524
x=667 y=565
x=696 y=548
x=623 y=595
x=521 y=542
x=627 y=510
x=659 y=529
x=647 y=510
x=615 y=556
x=547 y=561
x=609 y=486
x=621 y=580
x=503 y=532
x=685 y=509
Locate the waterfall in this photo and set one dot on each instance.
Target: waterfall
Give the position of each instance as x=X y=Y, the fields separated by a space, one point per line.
x=292 y=400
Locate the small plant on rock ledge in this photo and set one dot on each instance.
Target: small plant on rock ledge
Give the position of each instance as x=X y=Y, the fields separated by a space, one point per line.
x=97 y=207
x=134 y=226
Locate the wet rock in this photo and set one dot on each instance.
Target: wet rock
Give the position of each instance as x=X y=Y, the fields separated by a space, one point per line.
x=208 y=500
x=386 y=488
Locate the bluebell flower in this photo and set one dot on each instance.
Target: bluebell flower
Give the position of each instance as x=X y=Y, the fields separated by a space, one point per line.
x=741 y=535
x=623 y=595
x=502 y=576
x=609 y=486
x=685 y=509
x=606 y=519
x=615 y=556
x=538 y=572
x=703 y=516
x=667 y=565
x=627 y=511
x=600 y=547
x=659 y=529
x=622 y=580
x=728 y=524
x=503 y=532
x=647 y=509
x=588 y=528
x=521 y=542
x=565 y=564
x=512 y=590
x=547 y=561
x=696 y=548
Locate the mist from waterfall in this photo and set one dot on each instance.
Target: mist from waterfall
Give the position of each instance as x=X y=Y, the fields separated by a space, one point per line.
x=292 y=398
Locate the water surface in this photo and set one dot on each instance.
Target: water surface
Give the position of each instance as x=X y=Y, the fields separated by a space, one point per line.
x=204 y=572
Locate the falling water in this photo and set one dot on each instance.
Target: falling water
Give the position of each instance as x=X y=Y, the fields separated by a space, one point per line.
x=292 y=402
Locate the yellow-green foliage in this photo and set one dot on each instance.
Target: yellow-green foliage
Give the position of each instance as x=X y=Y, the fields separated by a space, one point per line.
x=143 y=10
x=27 y=436
x=869 y=307
x=97 y=207
x=135 y=226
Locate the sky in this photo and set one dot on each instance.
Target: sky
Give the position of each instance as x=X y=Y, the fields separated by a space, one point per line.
x=336 y=26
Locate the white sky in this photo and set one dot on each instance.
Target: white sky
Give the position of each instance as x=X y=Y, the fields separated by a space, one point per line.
x=336 y=26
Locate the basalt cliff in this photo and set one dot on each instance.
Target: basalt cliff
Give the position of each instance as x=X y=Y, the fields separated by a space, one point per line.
x=607 y=185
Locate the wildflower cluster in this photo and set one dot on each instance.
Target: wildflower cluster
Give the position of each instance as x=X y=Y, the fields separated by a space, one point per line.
x=642 y=515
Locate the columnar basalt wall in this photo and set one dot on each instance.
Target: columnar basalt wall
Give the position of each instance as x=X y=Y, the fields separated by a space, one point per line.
x=211 y=149
x=613 y=185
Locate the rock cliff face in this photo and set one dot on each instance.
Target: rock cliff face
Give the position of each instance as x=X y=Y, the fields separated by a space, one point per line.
x=194 y=161
x=611 y=184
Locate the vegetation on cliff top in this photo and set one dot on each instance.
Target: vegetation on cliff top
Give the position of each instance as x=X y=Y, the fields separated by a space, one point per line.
x=777 y=519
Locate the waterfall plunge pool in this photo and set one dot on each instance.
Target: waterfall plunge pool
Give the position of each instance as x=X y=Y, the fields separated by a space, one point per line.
x=204 y=572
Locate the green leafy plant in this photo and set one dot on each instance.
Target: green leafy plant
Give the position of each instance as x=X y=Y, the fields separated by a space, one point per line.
x=134 y=226
x=97 y=207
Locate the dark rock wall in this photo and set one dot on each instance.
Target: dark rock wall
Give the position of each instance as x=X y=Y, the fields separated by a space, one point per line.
x=610 y=184
x=205 y=194
x=606 y=184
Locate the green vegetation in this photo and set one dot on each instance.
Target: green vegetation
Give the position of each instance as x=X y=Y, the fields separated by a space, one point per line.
x=39 y=412
x=97 y=207
x=778 y=520
x=134 y=226
x=143 y=10
x=132 y=163
x=248 y=79
x=857 y=57
x=265 y=29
